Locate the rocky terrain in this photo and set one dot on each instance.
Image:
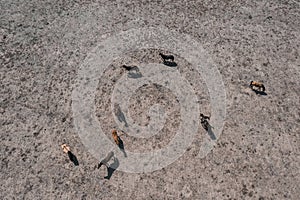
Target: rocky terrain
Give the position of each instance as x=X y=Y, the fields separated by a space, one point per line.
x=44 y=43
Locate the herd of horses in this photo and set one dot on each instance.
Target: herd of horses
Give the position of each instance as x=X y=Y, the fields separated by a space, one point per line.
x=258 y=87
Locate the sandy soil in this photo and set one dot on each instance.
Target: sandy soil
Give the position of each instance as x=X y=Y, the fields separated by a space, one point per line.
x=42 y=46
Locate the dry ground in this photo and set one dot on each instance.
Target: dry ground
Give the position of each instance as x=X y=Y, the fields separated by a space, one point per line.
x=44 y=42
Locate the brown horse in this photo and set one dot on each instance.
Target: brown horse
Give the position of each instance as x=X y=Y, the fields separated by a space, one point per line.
x=115 y=136
x=72 y=157
x=118 y=140
x=258 y=85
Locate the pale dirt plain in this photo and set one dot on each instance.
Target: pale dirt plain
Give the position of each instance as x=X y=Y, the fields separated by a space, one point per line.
x=257 y=156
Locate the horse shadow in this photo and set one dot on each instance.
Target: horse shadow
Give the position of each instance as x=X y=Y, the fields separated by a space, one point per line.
x=208 y=128
x=73 y=158
x=170 y=63
x=120 y=115
x=112 y=168
x=211 y=133
x=121 y=147
x=260 y=92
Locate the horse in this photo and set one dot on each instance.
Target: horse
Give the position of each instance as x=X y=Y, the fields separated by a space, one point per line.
x=258 y=85
x=129 y=68
x=116 y=137
x=204 y=121
x=72 y=157
x=167 y=57
x=119 y=141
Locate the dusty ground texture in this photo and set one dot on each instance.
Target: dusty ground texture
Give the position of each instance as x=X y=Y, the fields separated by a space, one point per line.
x=44 y=42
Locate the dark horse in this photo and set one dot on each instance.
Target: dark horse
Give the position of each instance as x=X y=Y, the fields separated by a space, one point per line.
x=167 y=57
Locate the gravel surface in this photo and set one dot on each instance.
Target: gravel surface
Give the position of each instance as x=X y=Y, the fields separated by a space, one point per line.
x=43 y=44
